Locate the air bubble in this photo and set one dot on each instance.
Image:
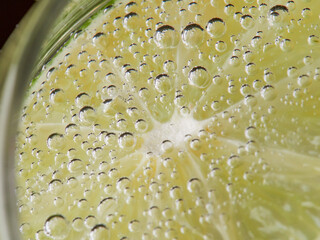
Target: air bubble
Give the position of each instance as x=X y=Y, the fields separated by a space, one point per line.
x=55 y=141
x=98 y=232
x=56 y=96
x=166 y=37
x=166 y=146
x=199 y=77
x=313 y=40
x=163 y=83
x=134 y=226
x=141 y=125
x=221 y=46
x=268 y=93
x=216 y=27
x=131 y=21
x=278 y=15
x=192 y=35
x=55 y=186
x=251 y=69
x=194 y=185
x=56 y=227
x=169 y=66
x=82 y=99
x=75 y=166
x=286 y=45
x=234 y=161
x=247 y=22
x=304 y=80
x=87 y=114
x=127 y=141
x=292 y=71
x=250 y=100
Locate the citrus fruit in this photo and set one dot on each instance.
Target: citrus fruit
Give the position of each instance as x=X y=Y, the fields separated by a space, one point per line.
x=177 y=120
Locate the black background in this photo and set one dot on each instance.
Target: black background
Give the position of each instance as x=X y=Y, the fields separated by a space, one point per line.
x=11 y=12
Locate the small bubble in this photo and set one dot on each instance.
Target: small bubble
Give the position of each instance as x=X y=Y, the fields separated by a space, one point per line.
x=234 y=61
x=216 y=105
x=166 y=146
x=131 y=21
x=141 y=125
x=99 y=39
x=251 y=132
x=247 y=22
x=169 y=66
x=291 y=71
x=55 y=141
x=82 y=99
x=306 y=13
x=55 y=186
x=286 y=45
x=166 y=37
x=77 y=224
x=304 y=80
x=105 y=206
x=297 y=93
x=251 y=69
x=134 y=226
x=234 y=161
x=57 y=95
x=98 y=232
x=199 y=77
x=192 y=35
x=87 y=114
x=313 y=40
x=131 y=75
x=269 y=77
x=307 y=60
x=217 y=80
x=221 y=46
x=278 y=15
x=127 y=140
x=245 y=89
x=268 y=92
x=250 y=100
x=163 y=83
x=195 y=144
x=75 y=166
x=216 y=27
x=256 y=42
x=123 y=183
x=194 y=185
x=56 y=227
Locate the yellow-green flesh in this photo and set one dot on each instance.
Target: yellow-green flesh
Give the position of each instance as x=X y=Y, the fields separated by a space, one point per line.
x=177 y=120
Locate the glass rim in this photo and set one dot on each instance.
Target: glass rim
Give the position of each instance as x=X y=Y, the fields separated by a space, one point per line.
x=19 y=54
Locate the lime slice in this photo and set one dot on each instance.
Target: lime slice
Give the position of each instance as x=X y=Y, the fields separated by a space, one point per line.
x=177 y=120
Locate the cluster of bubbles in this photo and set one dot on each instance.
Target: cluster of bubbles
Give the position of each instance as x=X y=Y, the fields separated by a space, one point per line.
x=176 y=120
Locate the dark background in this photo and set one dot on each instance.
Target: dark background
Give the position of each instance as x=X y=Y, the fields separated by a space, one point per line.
x=11 y=12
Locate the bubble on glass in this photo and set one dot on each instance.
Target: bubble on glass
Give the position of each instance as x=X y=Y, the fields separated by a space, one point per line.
x=192 y=35
x=55 y=141
x=199 y=77
x=127 y=141
x=99 y=231
x=247 y=21
x=216 y=27
x=278 y=16
x=194 y=185
x=56 y=227
x=166 y=37
x=76 y=166
x=268 y=93
x=131 y=21
x=163 y=83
